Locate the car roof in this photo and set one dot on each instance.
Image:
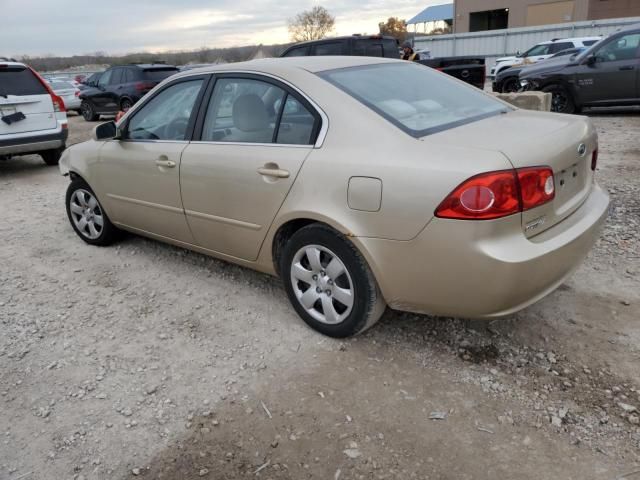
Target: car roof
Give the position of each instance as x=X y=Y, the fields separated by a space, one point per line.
x=13 y=64
x=280 y=66
x=147 y=66
x=343 y=37
x=571 y=39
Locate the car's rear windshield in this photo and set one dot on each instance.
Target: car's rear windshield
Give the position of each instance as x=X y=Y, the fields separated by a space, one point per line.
x=159 y=74
x=417 y=99
x=19 y=81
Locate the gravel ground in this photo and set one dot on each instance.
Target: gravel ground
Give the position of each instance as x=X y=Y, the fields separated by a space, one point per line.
x=146 y=360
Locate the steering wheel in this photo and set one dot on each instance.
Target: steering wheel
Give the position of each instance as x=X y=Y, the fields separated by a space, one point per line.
x=176 y=129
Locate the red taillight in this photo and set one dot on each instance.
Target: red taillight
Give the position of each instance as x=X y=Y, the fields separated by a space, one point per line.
x=485 y=196
x=594 y=159
x=144 y=86
x=536 y=186
x=77 y=93
x=498 y=194
x=58 y=104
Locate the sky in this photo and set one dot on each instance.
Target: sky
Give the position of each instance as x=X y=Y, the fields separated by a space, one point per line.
x=64 y=27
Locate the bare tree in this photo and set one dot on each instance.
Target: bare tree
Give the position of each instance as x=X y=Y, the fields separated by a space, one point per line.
x=311 y=24
x=394 y=27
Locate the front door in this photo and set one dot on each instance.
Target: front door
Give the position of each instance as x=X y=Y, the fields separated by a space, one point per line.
x=137 y=177
x=100 y=96
x=255 y=136
x=613 y=74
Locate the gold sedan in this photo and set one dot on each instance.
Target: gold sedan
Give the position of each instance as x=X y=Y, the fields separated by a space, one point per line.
x=361 y=182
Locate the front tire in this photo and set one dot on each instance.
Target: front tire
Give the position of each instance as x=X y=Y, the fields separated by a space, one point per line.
x=329 y=283
x=88 y=112
x=561 y=99
x=86 y=215
x=511 y=85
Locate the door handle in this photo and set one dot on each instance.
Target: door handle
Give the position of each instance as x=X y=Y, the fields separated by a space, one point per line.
x=273 y=172
x=628 y=67
x=165 y=163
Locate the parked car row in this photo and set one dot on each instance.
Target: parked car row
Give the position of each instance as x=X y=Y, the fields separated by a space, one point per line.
x=605 y=74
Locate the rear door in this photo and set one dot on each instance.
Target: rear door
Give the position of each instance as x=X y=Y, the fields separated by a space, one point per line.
x=22 y=92
x=328 y=48
x=614 y=75
x=255 y=135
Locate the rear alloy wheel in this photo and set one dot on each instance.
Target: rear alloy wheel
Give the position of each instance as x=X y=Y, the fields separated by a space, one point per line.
x=561 y=100
x=329 y=283
x=52 y=157
x=511 y=85
x=86 y=215
x=88 y=112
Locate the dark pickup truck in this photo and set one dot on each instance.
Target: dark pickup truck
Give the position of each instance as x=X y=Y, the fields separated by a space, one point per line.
x=467 y=69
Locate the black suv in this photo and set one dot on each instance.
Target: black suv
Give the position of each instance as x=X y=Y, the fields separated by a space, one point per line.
x=359 y=45
x=118 y=88
x=608 y=74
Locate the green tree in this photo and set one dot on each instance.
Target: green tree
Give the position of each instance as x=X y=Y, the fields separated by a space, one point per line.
x=311 y=24
x=394 y=27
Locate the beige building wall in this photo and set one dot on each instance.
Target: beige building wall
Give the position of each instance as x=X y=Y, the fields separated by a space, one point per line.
x=599 y=9
x=520 y=13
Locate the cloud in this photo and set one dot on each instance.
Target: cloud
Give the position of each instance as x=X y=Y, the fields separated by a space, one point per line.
x=63 y=27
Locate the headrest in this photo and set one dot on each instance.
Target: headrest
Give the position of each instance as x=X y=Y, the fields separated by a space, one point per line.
x=249 y=113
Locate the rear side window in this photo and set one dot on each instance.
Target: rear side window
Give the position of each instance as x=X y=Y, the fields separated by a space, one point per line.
x=558 y=47
x=128 y=76
x=391 y=48
x=334 y=48
x=368 y=48
x=116 y=76
x=20 y=81
x=159 y=74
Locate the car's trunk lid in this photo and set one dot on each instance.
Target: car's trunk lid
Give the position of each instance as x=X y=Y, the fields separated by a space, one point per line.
x=531 y=139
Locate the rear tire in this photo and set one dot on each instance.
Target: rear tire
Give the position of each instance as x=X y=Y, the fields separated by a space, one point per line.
x=561 y=99
x=86 y=215
x=329 y=282
x=52 y=157
x=88 y=112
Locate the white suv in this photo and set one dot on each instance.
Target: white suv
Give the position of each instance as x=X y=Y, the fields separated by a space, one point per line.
x=32 y=118
x=541 y=51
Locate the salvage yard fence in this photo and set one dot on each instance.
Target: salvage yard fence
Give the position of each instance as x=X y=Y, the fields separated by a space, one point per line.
x=496 y=43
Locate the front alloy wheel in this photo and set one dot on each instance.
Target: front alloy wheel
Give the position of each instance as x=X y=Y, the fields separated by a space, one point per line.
x=86 y=215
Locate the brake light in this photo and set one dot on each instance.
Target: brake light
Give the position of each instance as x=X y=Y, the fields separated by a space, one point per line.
x=144 y=86
x=536 y=186
x=499 y=194
x=58 y=103
x=594 y=159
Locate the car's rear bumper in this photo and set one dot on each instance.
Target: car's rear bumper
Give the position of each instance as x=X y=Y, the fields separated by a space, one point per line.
x=34 y=143
x=482 y=269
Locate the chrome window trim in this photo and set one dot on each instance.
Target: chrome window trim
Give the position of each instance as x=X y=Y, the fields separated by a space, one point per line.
x=325 y=119
x=253 y=144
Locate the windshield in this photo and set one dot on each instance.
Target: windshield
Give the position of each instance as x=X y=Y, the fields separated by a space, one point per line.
x=417 y=99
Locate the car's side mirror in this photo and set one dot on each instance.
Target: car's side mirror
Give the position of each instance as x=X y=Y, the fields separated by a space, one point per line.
x=591 y=60
x=106 y=131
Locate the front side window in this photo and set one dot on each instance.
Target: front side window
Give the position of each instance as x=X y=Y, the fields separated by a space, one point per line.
x=538 y=50
x=242 y=110
x=105 y=78
x=621 y=48
x=298 y=52
x=417 y=99
x=166 y=116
